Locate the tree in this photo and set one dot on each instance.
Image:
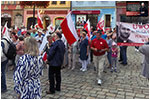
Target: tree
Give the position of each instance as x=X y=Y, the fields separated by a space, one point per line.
x=34 y=4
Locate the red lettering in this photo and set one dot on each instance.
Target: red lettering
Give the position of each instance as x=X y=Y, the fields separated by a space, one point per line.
x=135 y=26
x=146 y=26
x=142 y=40
x=140 y=26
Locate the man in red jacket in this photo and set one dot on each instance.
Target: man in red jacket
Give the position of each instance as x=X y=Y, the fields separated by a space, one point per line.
x=99 y=47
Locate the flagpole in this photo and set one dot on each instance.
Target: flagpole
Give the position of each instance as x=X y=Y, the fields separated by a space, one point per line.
x=70 y=5
x=34 y=15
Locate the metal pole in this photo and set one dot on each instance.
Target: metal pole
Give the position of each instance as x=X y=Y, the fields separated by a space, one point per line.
x=70 y=5
x=33 y=15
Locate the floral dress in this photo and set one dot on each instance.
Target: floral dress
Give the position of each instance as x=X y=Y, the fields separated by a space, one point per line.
x=27 y=77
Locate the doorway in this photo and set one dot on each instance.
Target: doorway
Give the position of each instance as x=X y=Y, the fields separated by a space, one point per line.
x=93 y=19
x=30 y=22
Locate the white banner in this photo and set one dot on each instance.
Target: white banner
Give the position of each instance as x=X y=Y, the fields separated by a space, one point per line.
x=132 y=34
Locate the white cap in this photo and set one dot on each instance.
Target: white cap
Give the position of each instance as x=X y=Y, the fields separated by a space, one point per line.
x=113 y=43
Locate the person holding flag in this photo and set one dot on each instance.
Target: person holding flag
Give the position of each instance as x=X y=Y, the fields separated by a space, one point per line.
x=4 y=60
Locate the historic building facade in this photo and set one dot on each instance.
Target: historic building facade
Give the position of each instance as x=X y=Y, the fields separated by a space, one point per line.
x=94 y=11
x=54 y=13
x=15 y=14
x=12 y=12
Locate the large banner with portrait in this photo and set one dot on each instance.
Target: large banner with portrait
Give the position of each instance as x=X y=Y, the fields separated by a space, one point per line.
x=80 y=21
x=132 y=34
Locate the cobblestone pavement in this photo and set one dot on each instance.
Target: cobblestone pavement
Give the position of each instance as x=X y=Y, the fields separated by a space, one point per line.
x=127 y=83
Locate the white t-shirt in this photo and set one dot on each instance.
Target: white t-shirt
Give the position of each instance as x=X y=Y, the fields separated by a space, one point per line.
x=39 y=39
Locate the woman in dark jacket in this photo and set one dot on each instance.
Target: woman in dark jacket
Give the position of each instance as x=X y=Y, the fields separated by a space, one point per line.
x=84 y=51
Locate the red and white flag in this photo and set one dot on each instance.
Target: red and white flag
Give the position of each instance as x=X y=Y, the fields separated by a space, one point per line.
x=23 y=31
x=36 y=26
x=31 y=27
x=44 y=42
x=39 y=20
x=100 y=24
x=16 y=28
x=5 y=31
x=5 y=28
x=87 y=28
x=69 y=30
x=51 y=28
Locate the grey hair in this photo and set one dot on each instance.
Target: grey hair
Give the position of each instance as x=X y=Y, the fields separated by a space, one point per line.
x=31 y=46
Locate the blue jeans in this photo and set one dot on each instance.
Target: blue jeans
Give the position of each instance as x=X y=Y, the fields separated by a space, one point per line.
x=3 y=78
x=114 y=62
x=109 y=56
x=123 y=54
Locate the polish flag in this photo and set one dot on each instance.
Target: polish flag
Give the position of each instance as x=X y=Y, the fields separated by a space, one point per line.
x=5 y=31
x=44 y=42
x=51 y=28
x=69 y=30
x=5 y=28
x=36 y=26
x=31 y=27
x=23 y=31
x=16 y=28
x=100 y=24
x=39 y=21
x=87 y=28
x=45 y=56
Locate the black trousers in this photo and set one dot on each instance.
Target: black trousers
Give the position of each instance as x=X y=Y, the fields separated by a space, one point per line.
x=55 y=77
x=91 y=55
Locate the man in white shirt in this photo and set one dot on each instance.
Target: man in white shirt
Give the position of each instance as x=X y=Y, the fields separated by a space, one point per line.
x=39 y=37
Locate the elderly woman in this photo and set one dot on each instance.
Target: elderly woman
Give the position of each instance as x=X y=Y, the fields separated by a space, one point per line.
x=29 y=68
x=84 y=48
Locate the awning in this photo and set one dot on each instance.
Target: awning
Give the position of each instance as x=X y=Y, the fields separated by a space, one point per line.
x=86 y=12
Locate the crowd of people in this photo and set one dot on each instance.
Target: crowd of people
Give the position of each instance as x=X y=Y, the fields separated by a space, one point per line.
x=101 y=50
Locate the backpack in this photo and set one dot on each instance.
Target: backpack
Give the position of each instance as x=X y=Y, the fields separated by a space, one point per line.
x=11 y=53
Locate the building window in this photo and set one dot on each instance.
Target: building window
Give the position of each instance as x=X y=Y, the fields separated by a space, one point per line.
x=108 y=20
x=46 y=21
x=18 y=19
x=11 y=2
x=2 y=2
x=62 y=2
x=30 y=22
x=17 y=2
x=6 y=2
x=93 y=19
x=54 y=2
x=58 y=21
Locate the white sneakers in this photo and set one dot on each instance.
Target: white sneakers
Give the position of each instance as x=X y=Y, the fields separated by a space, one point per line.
x=99 y=82
x=82 y=69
